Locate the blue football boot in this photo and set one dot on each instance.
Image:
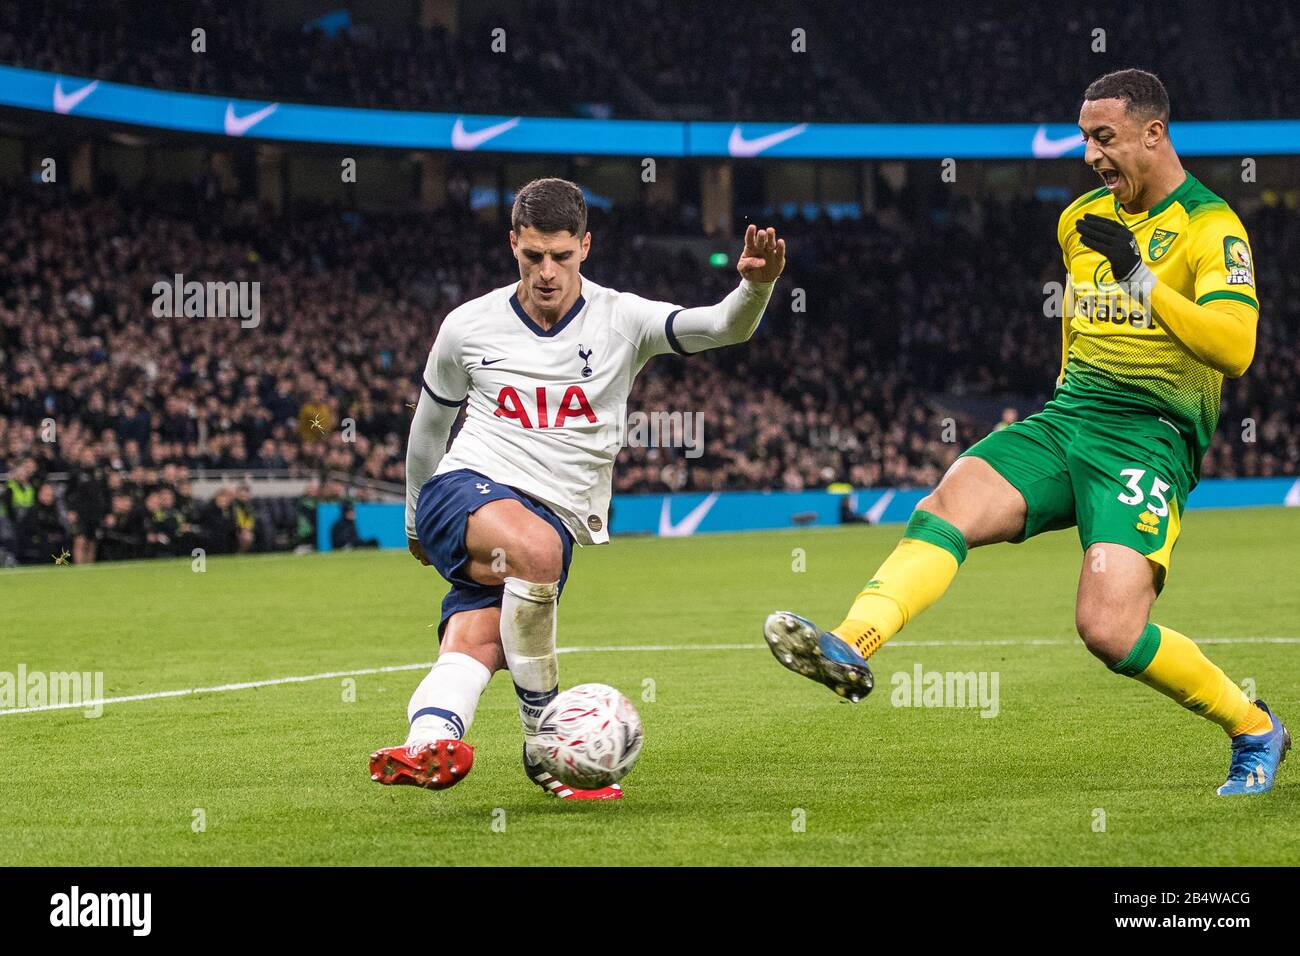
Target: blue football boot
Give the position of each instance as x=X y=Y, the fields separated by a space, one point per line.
x=804 y=648
x=1255 y=758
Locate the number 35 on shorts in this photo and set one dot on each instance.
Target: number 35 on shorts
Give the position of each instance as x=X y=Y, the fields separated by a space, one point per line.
x=1155 y=503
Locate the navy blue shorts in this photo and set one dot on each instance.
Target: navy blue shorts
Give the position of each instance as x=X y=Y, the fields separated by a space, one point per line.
x=441 y=514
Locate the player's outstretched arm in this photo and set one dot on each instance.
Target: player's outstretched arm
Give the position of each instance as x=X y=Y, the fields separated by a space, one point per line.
x=735 y=318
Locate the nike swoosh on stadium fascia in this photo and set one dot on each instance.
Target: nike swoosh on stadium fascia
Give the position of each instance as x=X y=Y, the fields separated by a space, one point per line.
x=239 y=125
x=1293 y=496
x=67 y=102
x=465 y=140
x=737 y=145
x=877 y=510
x=1044 y=147
x=686 y=527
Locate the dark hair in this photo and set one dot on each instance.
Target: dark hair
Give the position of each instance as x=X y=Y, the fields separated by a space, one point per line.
x=1142 y=92
x=550 y=205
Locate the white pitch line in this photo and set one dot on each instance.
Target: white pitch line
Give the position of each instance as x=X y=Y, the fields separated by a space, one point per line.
x=1051 y=643
x=632 y=648
x=659 y=647
x=220 y=688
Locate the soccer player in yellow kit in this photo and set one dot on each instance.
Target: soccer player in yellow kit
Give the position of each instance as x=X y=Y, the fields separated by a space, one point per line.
x=1160 y=305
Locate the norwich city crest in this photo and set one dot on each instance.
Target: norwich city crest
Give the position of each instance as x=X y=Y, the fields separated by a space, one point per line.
x=1161 y=240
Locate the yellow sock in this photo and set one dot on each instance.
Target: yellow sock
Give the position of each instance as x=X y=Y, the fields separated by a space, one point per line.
x=1173 y=664
x=913 y=577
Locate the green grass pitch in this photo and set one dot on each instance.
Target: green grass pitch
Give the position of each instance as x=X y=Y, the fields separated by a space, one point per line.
x=744 y=762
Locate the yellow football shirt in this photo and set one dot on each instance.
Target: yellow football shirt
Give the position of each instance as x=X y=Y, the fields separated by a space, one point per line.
x=1117 y=355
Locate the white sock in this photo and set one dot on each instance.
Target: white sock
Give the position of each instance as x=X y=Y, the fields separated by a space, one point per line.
x=442 y=707
x=528 y=639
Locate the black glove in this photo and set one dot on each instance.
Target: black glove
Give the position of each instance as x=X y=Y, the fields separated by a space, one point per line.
x=1113 y=240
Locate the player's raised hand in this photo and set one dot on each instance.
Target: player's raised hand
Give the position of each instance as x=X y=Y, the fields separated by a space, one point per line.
x=763 y=258
x=1113 y=240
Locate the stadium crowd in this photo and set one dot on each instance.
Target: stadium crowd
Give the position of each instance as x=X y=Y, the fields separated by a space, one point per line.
x=910 y=334
x=724 y=60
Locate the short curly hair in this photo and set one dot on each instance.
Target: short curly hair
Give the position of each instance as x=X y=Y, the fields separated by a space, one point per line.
x=1142 y=92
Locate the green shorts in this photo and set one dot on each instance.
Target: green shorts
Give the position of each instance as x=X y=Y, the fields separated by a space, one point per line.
x=1121 y=477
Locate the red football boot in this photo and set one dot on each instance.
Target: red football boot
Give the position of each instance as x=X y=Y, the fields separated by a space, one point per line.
x=548 y=782
x=436 y=766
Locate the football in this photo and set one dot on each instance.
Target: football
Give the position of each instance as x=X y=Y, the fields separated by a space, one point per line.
x=589 y=736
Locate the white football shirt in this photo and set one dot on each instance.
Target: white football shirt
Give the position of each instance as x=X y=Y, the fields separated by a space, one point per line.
x=546 y=406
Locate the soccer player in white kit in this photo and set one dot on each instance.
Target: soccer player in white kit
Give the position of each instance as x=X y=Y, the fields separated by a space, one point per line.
x=546 y=365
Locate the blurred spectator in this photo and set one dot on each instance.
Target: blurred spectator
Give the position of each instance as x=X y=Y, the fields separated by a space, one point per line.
x=44 y=530
x=305 y=517
x=160 y=524
x=847 y=514
x=87 y=497
x=245 y=520
x=121 y=536
x=218 y=527
x=344 y=533
x=18 y=493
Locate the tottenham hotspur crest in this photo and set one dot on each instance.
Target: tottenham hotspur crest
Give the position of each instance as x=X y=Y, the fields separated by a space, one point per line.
x=586 y=359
